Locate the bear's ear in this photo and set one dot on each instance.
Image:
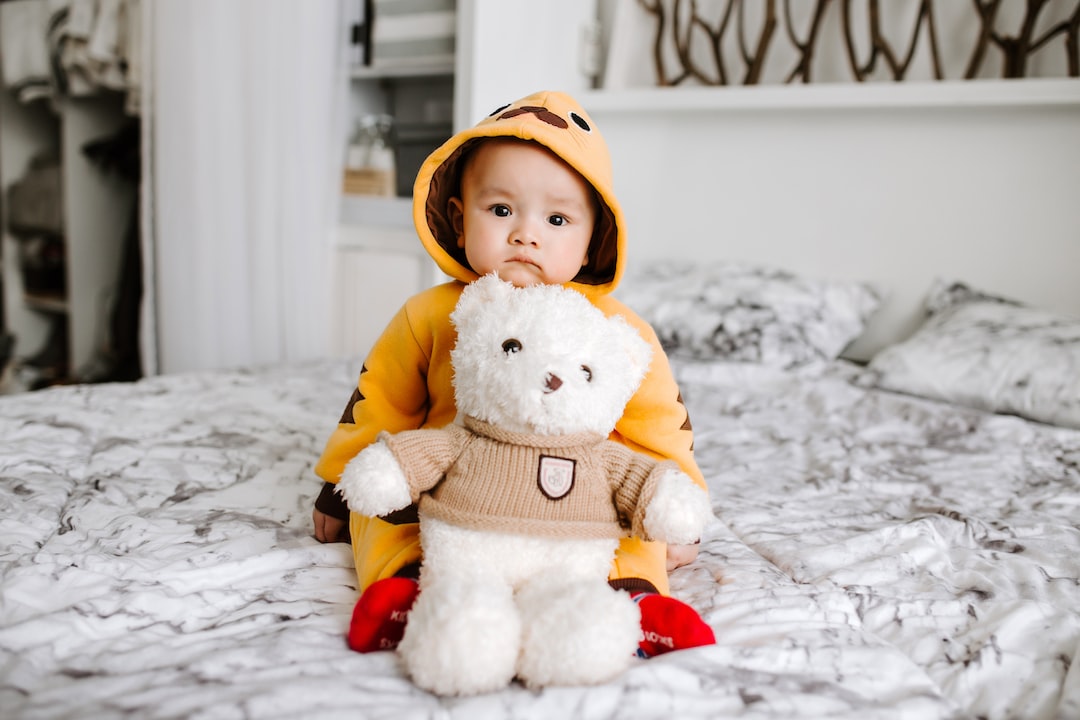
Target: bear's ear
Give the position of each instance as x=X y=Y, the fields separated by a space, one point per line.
x=487 y=290
x=637 y=350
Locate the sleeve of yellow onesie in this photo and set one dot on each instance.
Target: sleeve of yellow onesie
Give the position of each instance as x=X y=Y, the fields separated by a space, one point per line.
x=391 y=395
x=656 y=423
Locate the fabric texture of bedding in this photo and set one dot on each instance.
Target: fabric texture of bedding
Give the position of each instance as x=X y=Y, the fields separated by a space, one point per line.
x=991 y=353
x=873 y=555
x=746 y=313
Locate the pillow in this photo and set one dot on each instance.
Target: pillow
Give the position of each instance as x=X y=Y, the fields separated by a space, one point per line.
x=990 y=353
x=743 y=313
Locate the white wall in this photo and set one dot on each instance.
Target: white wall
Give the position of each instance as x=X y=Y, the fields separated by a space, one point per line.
x=507 y=50
x=897 y=195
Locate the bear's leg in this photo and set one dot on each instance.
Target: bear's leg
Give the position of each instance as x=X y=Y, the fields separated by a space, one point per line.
x=575 y=632
x=463 y=637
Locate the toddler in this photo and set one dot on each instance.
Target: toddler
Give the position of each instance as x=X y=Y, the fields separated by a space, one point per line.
x=526 y=193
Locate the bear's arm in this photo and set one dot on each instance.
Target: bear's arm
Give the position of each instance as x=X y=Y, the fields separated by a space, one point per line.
x=425 y=455
x=633 y=477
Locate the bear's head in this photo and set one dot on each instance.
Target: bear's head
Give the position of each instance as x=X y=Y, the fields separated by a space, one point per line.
x=543 y=359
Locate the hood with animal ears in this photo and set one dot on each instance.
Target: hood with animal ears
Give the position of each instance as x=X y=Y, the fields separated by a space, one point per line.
x=556 y=121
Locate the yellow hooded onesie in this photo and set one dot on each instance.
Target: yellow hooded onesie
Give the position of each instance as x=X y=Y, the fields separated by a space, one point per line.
x=405 y=382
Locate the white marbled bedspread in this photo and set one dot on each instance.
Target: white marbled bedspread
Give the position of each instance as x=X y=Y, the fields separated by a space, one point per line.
x=875 y=556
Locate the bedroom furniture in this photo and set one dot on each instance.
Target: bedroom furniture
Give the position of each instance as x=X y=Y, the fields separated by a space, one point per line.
x=70 y=79
x=502 y=51
x=947 y=156
x=895 y=536
x=874 y=553
x=96 y=213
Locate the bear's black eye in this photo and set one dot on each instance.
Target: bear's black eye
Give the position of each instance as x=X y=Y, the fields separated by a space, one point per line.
x=511 y=346
x=588 y=373
x=499 y=109
x=580 y=122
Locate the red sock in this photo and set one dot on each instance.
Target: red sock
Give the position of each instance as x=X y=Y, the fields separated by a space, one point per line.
x=668 y=624
x=378 y=620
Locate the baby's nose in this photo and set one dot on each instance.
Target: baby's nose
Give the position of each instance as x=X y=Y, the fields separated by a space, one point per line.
x=524 y=233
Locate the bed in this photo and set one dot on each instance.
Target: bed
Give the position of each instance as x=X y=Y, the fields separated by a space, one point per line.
x=898 y=539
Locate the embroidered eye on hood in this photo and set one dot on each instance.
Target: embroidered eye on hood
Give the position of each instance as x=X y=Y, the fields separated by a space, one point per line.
x=557 y=122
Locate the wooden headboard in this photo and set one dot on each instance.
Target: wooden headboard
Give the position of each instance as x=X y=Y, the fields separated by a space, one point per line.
x=892 y=183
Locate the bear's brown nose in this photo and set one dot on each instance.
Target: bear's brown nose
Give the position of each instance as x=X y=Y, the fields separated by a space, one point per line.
x=552 y=383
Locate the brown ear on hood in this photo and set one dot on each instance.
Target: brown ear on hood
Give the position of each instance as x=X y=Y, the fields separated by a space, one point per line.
x=556 y=121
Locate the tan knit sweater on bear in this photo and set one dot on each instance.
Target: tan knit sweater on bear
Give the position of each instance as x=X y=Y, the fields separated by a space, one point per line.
x=580 y=485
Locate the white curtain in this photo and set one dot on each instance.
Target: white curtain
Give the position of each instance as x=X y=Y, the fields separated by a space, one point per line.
x=244 y=103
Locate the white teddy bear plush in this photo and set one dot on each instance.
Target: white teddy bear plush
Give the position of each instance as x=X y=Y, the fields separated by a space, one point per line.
x=523 y=501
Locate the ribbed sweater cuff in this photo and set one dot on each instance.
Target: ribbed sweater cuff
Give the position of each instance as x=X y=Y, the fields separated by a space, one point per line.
x=633 y=585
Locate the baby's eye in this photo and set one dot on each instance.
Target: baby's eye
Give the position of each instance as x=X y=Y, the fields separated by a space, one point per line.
x=500 y=210
x=557 y=220
x=587 y=372
x=511 y=346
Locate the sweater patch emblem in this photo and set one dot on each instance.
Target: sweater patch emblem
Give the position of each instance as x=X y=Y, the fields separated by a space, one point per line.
x=556 y=476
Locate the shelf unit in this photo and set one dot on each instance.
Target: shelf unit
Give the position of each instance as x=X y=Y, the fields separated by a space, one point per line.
x=96 y=210
x=379 y=263
x=500 y=55
x=425 y=68
x=837 y=96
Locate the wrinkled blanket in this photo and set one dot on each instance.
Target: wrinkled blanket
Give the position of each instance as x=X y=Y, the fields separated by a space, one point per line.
x=873 y=555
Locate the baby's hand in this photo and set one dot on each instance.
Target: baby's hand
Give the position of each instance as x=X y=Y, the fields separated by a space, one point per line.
x=679 y=555
x=327 y=528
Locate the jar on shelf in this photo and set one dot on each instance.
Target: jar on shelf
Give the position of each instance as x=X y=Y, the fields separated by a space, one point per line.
x=370 y=168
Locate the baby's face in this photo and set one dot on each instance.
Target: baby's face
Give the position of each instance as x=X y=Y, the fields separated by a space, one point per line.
x=523 y=213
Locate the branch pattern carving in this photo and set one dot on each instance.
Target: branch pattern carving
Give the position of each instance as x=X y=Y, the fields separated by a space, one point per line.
x=679 y=24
